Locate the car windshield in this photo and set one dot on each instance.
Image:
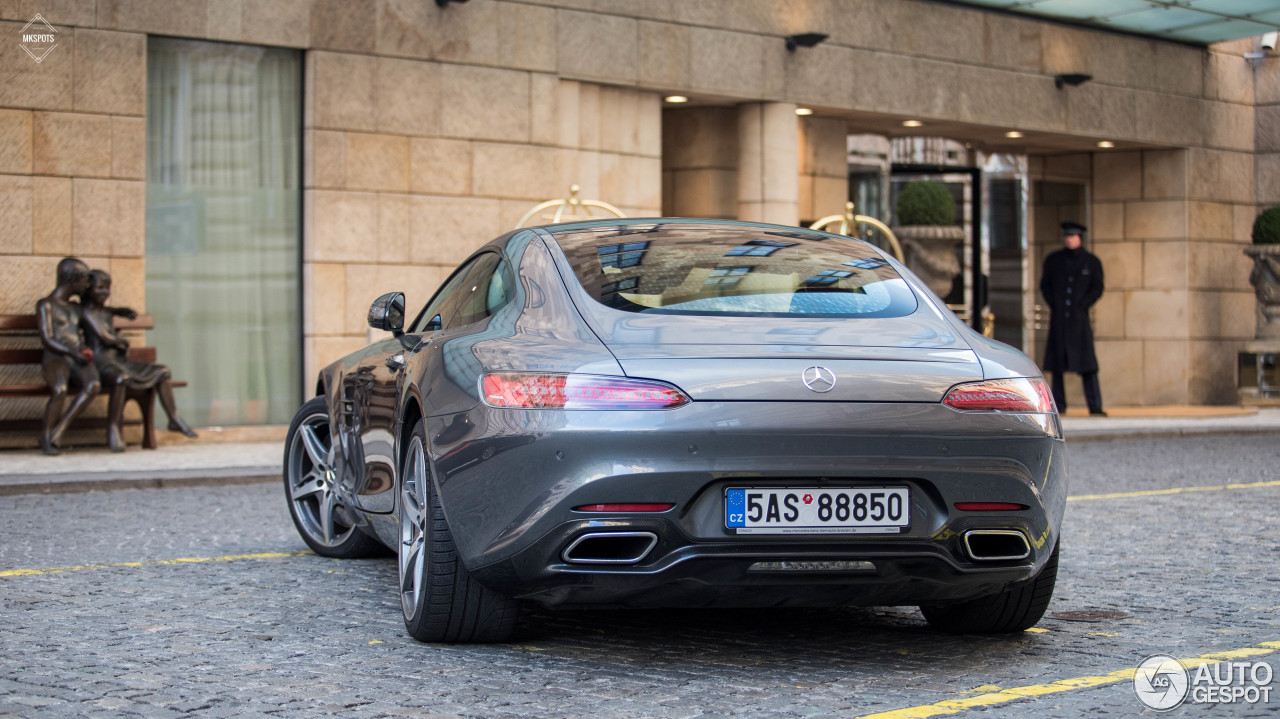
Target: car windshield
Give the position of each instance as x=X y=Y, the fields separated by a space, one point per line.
x=679 y=268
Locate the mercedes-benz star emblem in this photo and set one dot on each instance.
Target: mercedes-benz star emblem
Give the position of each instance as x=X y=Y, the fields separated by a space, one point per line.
x=819 y=379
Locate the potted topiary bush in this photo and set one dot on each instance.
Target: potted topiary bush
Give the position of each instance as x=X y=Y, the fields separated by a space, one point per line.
x=1265 y=276
x=925 y=214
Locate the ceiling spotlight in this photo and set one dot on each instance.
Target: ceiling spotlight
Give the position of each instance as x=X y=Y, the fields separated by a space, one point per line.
x=1106 y=143
x=676 y=98
x=1013 y=134
x=912 y=123
x=805 y=39
x=803 y=111
x=1072 y=79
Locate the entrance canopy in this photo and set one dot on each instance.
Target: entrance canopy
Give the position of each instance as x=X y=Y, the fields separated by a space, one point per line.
x=1198 y=22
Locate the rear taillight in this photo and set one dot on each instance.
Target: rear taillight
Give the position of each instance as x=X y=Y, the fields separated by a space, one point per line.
x=1022 y=394
x=577 y=391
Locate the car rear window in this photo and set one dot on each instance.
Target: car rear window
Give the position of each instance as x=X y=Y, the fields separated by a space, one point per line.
x=676 y=268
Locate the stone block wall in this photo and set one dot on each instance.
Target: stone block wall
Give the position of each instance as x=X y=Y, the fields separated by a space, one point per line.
x=1169 y=226
x=418 y=163
x=428 y=131
x=72 y=167
x=72 y=171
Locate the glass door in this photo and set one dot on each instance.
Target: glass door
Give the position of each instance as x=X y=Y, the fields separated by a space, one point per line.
x=1005 y=242
x=967 y=296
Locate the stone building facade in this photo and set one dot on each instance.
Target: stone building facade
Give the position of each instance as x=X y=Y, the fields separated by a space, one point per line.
x=428 y=130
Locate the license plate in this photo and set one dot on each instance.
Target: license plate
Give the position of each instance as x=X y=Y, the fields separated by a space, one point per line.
x=808 y=510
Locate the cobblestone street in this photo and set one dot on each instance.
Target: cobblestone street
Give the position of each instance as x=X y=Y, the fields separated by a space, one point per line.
x=166 y=602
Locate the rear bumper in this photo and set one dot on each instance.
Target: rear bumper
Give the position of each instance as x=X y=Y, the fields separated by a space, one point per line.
x=509 y=498
x=680 y=572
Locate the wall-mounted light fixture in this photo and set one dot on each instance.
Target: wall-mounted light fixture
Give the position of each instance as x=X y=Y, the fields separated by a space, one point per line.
x=804 y=39
x=1072 y=78
x=1106 y=144
x=912 y=123
x=445 y=3
x=676 y=99
x=804 y=111
x=1013 y=134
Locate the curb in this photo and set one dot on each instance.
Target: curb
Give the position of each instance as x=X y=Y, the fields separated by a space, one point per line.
x=1123 y=434
x=16 y=484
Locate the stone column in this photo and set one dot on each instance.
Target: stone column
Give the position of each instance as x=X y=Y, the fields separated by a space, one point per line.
x=700 y=162
x=768 y=157
x=824 y=167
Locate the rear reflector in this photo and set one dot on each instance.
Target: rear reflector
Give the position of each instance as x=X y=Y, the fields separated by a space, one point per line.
x=577 y=391
x=1022 y=394
x=990 y=506
x=633 y=507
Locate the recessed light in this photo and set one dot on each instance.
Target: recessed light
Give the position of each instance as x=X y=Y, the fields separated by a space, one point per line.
x=803 y=111
x=1013 y=134
x=676 y=98
x=912 y=123
x=1106 y=143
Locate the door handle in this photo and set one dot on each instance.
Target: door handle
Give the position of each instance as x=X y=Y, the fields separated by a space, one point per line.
x=396 y=361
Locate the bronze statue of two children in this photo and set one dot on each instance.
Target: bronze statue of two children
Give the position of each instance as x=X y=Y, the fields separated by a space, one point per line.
x=84 y=353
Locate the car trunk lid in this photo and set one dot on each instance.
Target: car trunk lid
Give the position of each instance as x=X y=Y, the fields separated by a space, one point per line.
x=736 y=359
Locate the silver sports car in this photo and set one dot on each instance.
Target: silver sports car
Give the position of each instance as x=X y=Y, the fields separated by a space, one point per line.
x=684 y=413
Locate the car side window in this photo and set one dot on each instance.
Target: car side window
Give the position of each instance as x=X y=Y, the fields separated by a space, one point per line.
x=442 y=306
x=486 y=290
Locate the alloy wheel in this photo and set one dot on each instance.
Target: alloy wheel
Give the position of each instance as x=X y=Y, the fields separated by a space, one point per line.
x=413 y=528
x=313 y=483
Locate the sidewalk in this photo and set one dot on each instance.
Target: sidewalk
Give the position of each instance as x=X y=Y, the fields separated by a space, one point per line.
x=242 y=459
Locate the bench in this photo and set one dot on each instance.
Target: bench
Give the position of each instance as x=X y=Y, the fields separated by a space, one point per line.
x=25 y=326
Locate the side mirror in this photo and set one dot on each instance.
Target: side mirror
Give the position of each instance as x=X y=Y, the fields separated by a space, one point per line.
x=387 y=313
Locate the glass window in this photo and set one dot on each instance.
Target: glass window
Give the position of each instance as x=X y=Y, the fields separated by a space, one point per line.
x=483 y=293
x=683 y=271
x=222 y=227
x=443 y=304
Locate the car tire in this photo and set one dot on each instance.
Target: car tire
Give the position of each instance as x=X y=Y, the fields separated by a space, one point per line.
x=310 y=487
x=1015 y=609
x=440 y=600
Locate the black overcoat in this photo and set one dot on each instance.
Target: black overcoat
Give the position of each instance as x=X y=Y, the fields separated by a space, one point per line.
x=1071 y=282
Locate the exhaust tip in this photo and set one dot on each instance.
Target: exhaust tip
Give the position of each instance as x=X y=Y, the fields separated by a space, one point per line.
x=993 y=545
x=610 y=548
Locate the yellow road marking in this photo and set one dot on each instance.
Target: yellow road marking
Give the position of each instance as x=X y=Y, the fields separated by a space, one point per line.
x=180 y=560
x=1174 y=490
x=1004 y=696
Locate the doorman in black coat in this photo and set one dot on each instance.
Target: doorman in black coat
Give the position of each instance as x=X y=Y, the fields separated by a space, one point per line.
x=1071 y=282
